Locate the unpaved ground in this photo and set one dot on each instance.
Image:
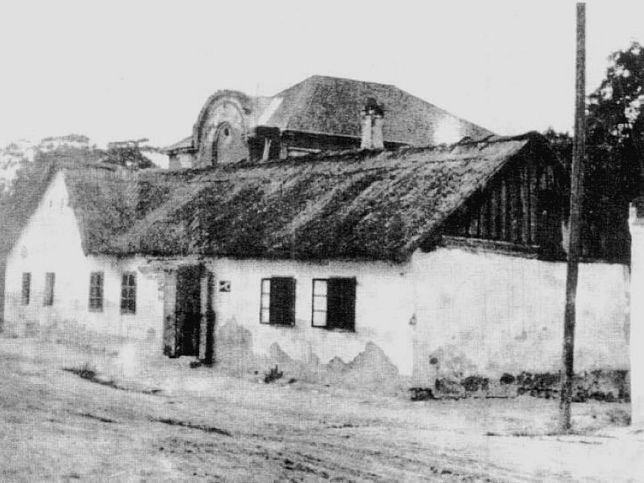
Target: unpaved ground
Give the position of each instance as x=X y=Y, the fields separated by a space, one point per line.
x=169 y=422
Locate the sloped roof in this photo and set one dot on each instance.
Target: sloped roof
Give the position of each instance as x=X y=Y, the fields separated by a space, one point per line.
x=331 y=105
x=352 y=205
x=185 y=143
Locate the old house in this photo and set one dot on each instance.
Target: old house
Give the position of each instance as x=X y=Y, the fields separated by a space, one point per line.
x=318 y=114
x=448 y=259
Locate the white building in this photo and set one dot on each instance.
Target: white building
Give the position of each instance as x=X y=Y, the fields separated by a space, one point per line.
x=447 y=259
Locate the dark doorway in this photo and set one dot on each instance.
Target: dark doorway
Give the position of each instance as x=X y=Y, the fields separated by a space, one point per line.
x=188 y=310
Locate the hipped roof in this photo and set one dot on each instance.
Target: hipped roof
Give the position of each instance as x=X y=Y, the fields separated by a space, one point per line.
x=331 y=106
x=352 y=205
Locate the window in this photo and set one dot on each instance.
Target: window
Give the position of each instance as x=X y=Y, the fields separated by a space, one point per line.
x=277 y=305
x=128 y=293
x=26 y=288
x=50 y=279
x=334 y=303
x=96 y=291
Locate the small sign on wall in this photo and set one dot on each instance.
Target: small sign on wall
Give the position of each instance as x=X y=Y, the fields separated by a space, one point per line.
x=224 y=285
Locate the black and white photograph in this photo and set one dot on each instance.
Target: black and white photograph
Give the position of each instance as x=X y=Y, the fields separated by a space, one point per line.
x=345 y=241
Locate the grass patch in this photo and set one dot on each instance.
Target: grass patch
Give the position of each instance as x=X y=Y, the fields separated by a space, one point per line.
x=619 y=416
x=272 y=375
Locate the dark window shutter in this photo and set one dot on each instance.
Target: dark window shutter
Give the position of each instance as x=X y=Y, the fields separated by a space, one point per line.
x=282 y=301
x=26 y=288
x=341 y=303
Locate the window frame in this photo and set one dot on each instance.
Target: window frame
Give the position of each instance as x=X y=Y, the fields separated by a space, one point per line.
x=96 y=291
x=313 y=298
x=128 y=293
x=50 y=284
x=25 y=294
x=266 y=307
x=335 y=324
x=262 y=308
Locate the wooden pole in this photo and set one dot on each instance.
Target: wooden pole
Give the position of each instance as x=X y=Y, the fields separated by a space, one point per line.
x=574 y=245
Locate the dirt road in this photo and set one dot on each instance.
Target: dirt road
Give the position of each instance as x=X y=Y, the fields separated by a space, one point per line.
x=176 y=423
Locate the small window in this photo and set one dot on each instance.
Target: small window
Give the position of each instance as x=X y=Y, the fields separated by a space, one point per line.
x=96 y=291
x=50 y=280
x=128 y=293
x=277 y=304
x=334 y=303
x=26 y=288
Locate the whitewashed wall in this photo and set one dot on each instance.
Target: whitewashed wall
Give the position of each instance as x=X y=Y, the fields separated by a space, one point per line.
x=383 y=308
x=637 y=318
x=480 y=313
x=488 y=313
x=51 y=243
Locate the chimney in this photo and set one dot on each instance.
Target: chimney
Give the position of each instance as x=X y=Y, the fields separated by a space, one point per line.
x=372 y=120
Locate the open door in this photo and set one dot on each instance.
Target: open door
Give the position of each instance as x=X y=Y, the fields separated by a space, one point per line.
x=207 y=352
x=188 y=310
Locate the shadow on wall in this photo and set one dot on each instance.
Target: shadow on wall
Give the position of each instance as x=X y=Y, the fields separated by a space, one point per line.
x=370 y=370
x=454 y=376
x=598 y=385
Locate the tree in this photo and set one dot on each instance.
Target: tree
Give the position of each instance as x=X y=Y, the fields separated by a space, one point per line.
x=614 y=120
x=127 y=154
x=614 y=155
x=127 y=157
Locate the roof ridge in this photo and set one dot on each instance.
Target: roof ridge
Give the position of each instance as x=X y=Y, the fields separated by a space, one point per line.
x=491 y=139
x=349 y=79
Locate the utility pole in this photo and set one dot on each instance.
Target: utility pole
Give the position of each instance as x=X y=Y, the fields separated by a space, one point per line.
x=574 y=245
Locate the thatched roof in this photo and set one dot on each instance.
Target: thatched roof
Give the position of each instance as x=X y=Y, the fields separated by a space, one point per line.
x=352 y=205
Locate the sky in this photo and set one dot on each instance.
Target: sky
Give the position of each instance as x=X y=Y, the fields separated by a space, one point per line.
x=115 y=70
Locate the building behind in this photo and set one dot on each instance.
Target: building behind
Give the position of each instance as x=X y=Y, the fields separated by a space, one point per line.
x=318 y=114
